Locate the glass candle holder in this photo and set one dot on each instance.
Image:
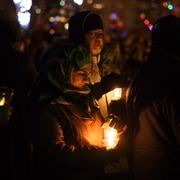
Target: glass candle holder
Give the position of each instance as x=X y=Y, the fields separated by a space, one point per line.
x=6 y=95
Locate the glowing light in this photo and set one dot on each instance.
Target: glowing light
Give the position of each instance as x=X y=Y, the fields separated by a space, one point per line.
x=23 y=6
x=62 y=3
x=165 y=4
x=150 y=27
x=114 y=94
x=62 y=11
x=38 y=10
x=63 y=19
x=66 y=26
x=24 y=18
x=98 y=5
x=89 y=1
x=142 y=16
x=51 y=31
x=120 y=24
x=170 y=7
x=2 y=101
x=51 y=19
x=79 y=2
x=114 y=16
x=57 y=18
x=146 y=22
x=117 y=93
x=111 y=137
x=17 y=1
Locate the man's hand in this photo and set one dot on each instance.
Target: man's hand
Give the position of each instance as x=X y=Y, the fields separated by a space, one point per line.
x=117 y=123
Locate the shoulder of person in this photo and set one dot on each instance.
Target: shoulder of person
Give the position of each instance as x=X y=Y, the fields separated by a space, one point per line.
x=57 y=52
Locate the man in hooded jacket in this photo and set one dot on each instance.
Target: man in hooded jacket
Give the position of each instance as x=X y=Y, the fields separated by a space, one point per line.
x=86 y=29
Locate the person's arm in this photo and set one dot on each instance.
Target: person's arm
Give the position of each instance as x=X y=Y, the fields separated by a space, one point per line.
x=108 y=83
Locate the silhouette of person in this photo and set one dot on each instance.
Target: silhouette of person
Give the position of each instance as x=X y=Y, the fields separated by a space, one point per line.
x=17 y=74
x=153 y=106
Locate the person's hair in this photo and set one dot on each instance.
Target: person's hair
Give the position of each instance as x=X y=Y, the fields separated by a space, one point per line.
x=166 y=32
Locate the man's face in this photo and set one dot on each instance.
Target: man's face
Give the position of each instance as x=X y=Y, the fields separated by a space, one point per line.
x=95 y=41
x=80 y=78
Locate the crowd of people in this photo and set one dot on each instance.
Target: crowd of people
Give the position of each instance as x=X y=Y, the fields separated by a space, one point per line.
x=52 y=126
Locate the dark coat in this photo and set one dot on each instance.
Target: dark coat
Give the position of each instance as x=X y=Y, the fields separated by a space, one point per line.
x=18 y=74
x=153 y=110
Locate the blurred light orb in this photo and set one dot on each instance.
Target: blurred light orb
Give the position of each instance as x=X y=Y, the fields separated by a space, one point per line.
x=17 y=1
x=24 y=19
x=62 y=3
x=51 y=31
x=25 y=5
x=150 y=27
x=23 y=15
x=146 y=22
x=142 y=16
x=79 y=2
x=170 y=7
x=66 y=26
x=114 y=16
x=165 y=4
x=89 y=1
x=38 y=11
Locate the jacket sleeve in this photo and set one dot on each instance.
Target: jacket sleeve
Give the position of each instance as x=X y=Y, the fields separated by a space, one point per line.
x=108 y=83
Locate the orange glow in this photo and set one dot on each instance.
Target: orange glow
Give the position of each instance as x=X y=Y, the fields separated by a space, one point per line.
x=165 y=4
x=111 y=136
x=2 y=101
x=114 y=94
x=92 y=132
x=146 y=22
x=117 y=94
x=142 y=16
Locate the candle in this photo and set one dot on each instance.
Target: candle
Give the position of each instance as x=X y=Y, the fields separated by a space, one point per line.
x=5 y=95
x=111 y=136
x=2 y=101
x=117 y=94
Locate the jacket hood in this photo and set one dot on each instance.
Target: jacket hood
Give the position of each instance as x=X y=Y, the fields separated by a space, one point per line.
x=81 y=23
x=165 y=33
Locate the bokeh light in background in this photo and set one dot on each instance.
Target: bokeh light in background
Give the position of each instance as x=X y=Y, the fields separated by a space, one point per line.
x=24 y=16
x=79 y=2
x=119 y=16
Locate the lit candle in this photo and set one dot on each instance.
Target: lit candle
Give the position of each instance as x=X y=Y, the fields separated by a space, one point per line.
x=117 y=94
x=2 y=101
x=111 y=136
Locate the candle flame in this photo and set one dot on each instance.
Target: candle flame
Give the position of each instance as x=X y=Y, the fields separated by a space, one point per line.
x=117 y=93
x=2 y=101
x=111 y=137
